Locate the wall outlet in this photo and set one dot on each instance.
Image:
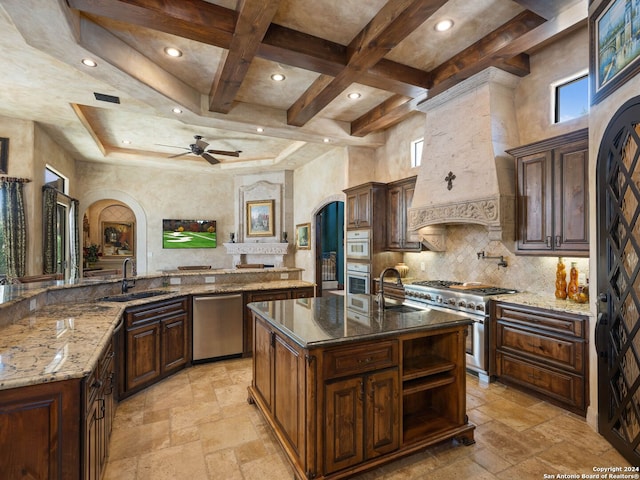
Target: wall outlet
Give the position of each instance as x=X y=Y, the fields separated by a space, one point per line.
x=209 y=279
x=422 y=266
x=32 y=305
x=175 y=281
x=284 y=276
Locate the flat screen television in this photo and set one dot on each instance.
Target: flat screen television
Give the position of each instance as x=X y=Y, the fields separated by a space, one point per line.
x=189 y=234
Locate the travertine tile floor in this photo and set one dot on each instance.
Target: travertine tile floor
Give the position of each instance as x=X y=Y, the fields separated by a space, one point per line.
x=197 y=425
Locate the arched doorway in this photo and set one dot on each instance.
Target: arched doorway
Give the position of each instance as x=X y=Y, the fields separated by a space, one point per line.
x=329 y=240
x=618 y=327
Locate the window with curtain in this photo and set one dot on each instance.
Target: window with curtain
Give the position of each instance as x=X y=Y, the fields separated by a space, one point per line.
x=13 y=234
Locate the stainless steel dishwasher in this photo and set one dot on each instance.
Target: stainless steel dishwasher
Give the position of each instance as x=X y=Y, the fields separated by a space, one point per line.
x=217 y=326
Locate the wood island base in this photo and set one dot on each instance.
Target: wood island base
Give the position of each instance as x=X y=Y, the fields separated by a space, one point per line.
x=341 y=409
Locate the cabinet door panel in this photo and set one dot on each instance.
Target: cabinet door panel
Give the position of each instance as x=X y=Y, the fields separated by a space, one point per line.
x=262 y=369
x=344 y=444
x=352 y=211
x=364 y=208
x=289 y=385
x=535 y=196
x=395 y=221
x=382 y=416
x=572 y=216
x=143 y=355
x=175 y=343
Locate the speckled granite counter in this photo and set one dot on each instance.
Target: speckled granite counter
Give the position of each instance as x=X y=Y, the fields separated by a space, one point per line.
x=63 y=337
x=545 y=301
x=326 y=321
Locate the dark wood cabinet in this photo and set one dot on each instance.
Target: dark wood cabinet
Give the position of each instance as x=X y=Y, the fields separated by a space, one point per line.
x=158 y=342
x=543 y=352
x=40 y=431
x=266 y=296
x=99 y=407
x=399 y=198
x=364 y=203
x=553 y=195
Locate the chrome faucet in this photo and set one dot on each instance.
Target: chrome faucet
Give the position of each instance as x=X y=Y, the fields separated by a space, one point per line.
x=380 y=296
x=128 y=283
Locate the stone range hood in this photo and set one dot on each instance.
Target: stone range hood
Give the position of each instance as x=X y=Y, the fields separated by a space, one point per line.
x=468 y=130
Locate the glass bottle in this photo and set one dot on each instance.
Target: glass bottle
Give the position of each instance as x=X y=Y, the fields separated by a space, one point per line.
x=572 y=289
x=561 y=280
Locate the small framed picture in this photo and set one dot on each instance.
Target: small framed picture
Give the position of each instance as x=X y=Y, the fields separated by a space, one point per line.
x=4 y=155
x=260 y=219
x=303 y=234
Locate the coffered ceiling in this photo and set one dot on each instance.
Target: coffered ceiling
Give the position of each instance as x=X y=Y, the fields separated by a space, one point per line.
x=388 y=51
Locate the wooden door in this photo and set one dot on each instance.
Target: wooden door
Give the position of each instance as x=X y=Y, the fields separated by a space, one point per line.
x=344 y=429
x=382 y=418
x=535 y=198
x=618 y=326
x=571 y=178
x=143 y=355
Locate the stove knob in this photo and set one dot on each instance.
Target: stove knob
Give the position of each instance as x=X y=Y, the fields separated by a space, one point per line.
x=462 y=303
x=451 y=301
x=471 y=305
x=480 y=307
x=439 y=299
x=428 y=296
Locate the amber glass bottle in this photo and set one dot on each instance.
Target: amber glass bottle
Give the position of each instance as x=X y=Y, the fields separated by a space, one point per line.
x=561 y=280
x=572 y=289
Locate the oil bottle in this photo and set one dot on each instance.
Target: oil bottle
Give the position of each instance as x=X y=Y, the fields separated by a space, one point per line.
x=561 y=280
x=572 y=289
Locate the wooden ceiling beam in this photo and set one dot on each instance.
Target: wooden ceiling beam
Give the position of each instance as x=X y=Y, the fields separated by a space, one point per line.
x=394 y=22
x=383 y=116
x=254 y=17
x=193 y=19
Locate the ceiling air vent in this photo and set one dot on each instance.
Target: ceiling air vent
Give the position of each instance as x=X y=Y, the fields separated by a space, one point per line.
x=106 y=98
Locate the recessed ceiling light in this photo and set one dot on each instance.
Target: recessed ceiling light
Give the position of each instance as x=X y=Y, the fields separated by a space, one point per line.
x=259 y=129
x=354 y=95
x=176 y=110
x=277 y=77
x=326 y=140
x=173 y=52
x=444 y=25
x=87 y=62
x=126 y=142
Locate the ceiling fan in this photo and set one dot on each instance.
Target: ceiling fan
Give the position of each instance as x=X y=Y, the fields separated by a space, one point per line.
x=199 y=147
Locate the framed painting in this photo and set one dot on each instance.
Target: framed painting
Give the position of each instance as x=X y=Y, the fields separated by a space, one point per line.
x=303 y=232
x=260 y=219
x=614 y=49
x=4 y=156
x=117 y=239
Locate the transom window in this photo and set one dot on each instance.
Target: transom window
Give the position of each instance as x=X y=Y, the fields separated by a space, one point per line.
x=416 y=152
x=571 y=98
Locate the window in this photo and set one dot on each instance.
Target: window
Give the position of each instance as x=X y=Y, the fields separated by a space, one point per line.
x=416 y=152
x=3 y=259
x=571 y=98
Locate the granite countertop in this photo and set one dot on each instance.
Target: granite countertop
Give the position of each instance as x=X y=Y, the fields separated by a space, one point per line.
x=64 y=341
x=546 y=301
x=325 y=321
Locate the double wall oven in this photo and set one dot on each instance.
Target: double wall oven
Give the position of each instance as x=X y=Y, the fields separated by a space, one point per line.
x=467 y=300
x=358 y=253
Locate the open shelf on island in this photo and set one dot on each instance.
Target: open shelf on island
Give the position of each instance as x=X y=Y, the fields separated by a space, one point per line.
x=424 y=424
x=426 y=383
x=426 y=364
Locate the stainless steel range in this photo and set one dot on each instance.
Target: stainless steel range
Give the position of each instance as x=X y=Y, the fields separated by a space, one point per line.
x=467 y=299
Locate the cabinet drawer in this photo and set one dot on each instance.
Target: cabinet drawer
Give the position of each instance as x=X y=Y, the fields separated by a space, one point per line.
x=563 y=353
x=141 y=314
x=361 y=358
x=559 y=322
x=565 y=388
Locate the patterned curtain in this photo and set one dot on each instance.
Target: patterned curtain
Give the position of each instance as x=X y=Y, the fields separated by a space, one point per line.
x=14 y=225
x=49 y=225
x=74 y=247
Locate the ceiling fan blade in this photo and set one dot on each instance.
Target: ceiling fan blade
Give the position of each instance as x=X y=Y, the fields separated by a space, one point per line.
x=210 y=159
x=201 y=144
x=171 y=146
x=179 y=155
x=227 y=153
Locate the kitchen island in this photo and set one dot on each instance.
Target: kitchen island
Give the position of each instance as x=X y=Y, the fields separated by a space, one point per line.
x=347 y=388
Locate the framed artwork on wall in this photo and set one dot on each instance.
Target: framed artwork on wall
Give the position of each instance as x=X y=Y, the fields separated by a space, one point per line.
x=260 y=219
x=117 y=239
x=614 y=50
x=4 y=155
x=303 y=232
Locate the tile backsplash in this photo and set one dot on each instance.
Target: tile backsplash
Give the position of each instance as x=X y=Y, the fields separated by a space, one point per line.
x=460 y=263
